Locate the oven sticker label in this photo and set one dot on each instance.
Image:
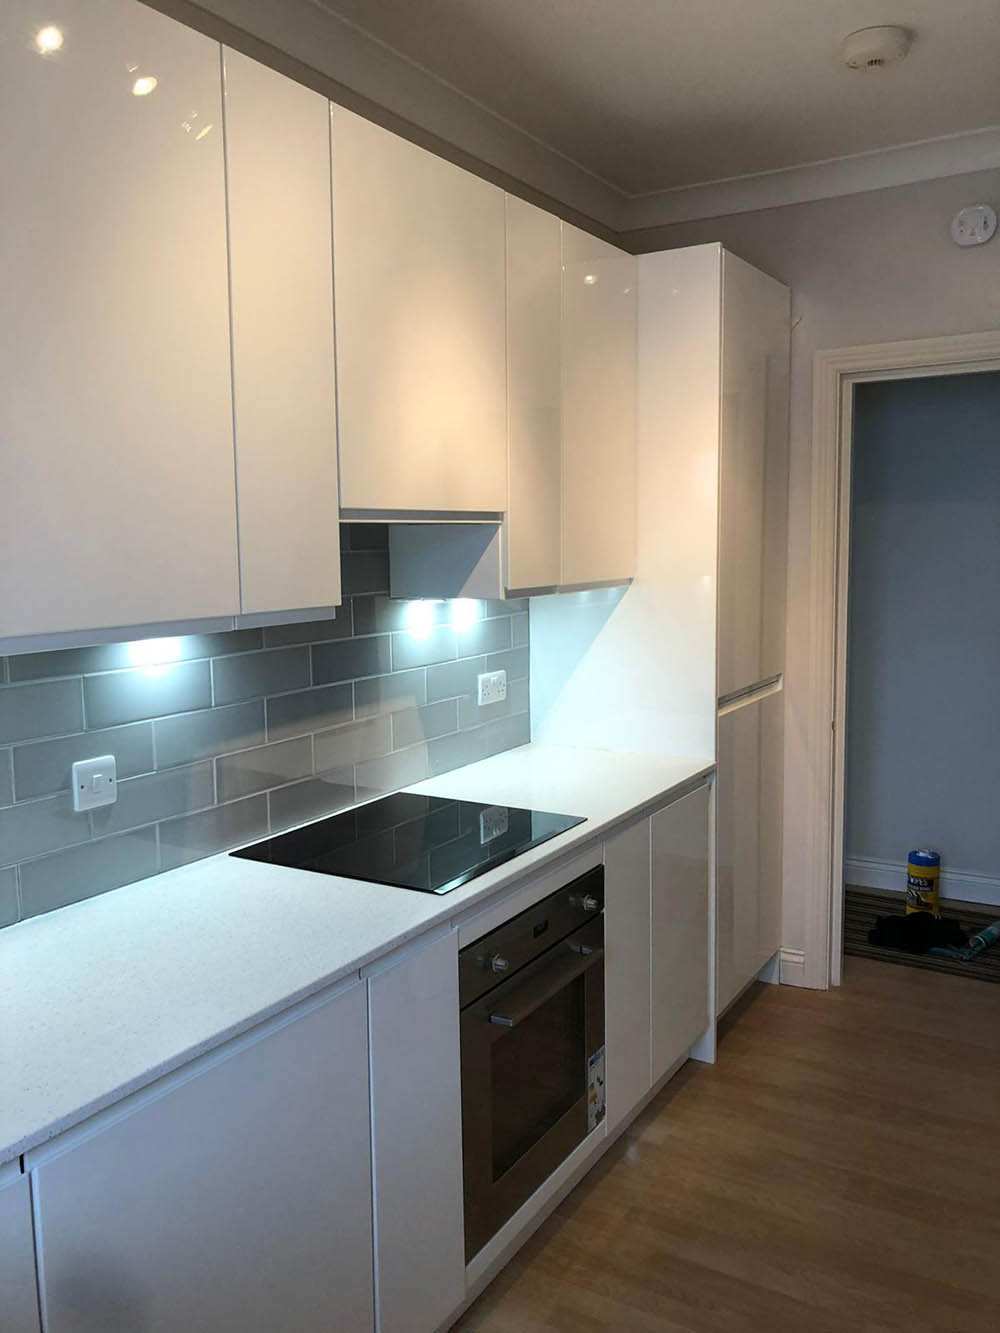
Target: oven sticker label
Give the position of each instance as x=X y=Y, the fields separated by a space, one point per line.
x=595 y=1089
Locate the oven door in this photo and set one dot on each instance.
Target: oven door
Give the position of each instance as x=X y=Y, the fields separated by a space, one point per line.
x=532 y=1077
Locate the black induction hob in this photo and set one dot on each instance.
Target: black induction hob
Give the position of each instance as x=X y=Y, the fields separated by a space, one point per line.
x=428 y=843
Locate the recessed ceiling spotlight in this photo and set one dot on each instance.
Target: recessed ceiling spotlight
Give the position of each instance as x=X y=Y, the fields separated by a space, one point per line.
x=874 y=48
x=49 y=38
x=144 y=85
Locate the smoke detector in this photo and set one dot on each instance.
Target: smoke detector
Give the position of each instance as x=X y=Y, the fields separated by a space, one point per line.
x=874 y=48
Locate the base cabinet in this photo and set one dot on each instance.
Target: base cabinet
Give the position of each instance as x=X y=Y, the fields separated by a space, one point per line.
x=417 y=1140
x=239 y=1198
x=18 y=1293
x=626 y=970
x=680 y=1008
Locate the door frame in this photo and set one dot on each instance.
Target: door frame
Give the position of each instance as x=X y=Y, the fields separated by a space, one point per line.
x=835 y=372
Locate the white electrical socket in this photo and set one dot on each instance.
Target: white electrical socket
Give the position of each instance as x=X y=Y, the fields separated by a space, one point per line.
x=95 y=782
x=491 y=688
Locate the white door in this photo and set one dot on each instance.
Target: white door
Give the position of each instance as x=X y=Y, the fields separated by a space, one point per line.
x=599 y=305
x=417 y=1139
x=626 y=970
x=680 y=969
x=533 y=530
x=18 y=1293
x=281 y=259
x=421 y=358
x=238 y=1200
x=117 y=497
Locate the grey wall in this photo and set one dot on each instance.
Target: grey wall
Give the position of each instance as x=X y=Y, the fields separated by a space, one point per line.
x=923 y=731
x=249 y=732
x=866 y=268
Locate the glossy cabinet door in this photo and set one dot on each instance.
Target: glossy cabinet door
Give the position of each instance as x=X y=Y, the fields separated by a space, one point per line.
x=281 y=263
x=753 y=475
x=421 y=358
x=679 y=929
x=240 y=1198
x=772 y=771
x=533 y=530
x=626 y=970
x=599 y=305
x=117 y=495
x=18 y=1292
x=417 y=1138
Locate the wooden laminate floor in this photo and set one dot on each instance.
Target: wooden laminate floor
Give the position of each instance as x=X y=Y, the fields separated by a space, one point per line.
x=836 y=1172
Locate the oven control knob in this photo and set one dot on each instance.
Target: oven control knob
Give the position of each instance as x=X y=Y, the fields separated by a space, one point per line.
x=496 y=963
x=588 y=903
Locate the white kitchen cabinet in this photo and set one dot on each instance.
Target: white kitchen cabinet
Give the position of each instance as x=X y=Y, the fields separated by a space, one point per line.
x=599 y=306
x=753 y=475
x=680 y=1008
x=18 y=1292
x=534 y=366
x=117 y=496
x=281 y=263
x=421 y=363
x=626 y=970
x=417 y=1139
x=238 y=1198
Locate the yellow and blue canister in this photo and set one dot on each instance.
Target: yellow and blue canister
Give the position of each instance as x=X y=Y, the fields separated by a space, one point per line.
x=923 y=869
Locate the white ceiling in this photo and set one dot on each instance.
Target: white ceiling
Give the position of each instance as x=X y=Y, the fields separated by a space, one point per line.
x=650 y=95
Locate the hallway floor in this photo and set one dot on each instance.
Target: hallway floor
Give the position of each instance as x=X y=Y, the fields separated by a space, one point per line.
x=837 y=1172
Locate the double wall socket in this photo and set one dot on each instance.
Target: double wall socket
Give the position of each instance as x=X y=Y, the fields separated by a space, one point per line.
x=491 y=687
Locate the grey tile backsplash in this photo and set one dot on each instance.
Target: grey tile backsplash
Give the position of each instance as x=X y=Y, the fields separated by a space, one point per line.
x=244 y=733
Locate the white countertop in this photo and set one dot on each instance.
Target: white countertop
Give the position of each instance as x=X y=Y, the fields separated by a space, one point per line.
x=100 y=998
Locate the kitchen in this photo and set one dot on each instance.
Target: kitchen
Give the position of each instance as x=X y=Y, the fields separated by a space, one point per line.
x=392 y=713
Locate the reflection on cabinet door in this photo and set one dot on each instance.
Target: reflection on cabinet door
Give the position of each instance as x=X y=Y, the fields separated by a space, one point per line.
x=421 y=361
x=238 y=1199
x=281 y=257
x=18 y=1293
x=753 y=475
x=626 y=970
x=737 y=850
x=598 y=409
x=679 y=929
x=534 y=518
x=117 y=496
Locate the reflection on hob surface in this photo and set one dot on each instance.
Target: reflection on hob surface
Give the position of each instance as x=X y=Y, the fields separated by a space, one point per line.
x=428 y=843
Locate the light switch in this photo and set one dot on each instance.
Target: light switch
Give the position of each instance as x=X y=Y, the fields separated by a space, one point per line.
x=95 y=782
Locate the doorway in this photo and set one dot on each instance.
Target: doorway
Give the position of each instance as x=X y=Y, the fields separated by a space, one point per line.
x=923 y=640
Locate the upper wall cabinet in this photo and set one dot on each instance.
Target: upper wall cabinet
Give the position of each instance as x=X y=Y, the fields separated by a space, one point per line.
x=419 y=265
x=753 y=475
x=281 y=263
x=571 y=356
x=117 y=495
x=599 y=305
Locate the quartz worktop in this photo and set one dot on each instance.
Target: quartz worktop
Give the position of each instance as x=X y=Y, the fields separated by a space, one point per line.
x=100 y=998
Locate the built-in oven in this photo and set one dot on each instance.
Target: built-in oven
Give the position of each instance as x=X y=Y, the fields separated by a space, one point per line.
x=532 y=1023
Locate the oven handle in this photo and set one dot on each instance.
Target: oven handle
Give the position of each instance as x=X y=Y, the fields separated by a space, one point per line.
x=531 y=995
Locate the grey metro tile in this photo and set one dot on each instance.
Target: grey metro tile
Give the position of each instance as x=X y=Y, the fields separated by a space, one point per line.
x=217 y=830
x=45 y=767
x=410 y=649
x=364 y=572
x=514 y=662
x=120 y=656
x=182 y=740
x=471 y=715
x=392 y=772
x=485 y=636
x=312 y=799
x=413 y=725
x=451 y=679
x=353 y=743
x=252 y=675
x=311 y=631
x=449 y=752
x=130 y=696
x=32 y=828
x=51 y=708
x=387 y=694
x=156 y=796
x=309 y=710
x=6 y=780
x=251 y=771
x=82 y=872
x=9 y=907
x=520 y=630
x=350 y=659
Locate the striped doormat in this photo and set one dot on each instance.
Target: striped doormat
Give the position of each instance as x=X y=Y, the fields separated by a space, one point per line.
x=862 y=906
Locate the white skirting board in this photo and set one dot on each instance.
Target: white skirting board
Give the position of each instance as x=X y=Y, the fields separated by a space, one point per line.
x=966 y=886
x=792 y=967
